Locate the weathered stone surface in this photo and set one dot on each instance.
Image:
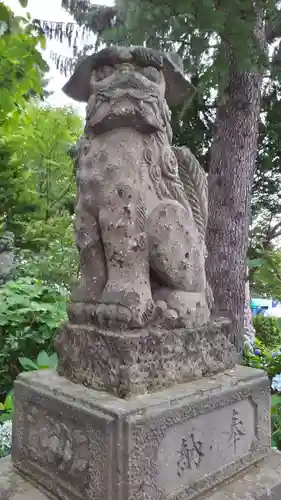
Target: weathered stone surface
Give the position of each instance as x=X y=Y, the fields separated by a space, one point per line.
x=177 y=87
x=135 y=362
x=14 y=487
x=172 y=445
x=259 y=482
x=140 y=231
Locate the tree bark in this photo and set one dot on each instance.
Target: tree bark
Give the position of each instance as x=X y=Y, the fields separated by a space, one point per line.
x=232 y=160
x=249 y=330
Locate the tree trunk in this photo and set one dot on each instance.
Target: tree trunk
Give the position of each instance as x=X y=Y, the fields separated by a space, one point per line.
x=249 y=330
x=232 y=161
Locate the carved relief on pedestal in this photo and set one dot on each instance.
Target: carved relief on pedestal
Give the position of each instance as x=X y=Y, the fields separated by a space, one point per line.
x=191 y=448
x=62 y=440
x=188 y=449
x=51 y=443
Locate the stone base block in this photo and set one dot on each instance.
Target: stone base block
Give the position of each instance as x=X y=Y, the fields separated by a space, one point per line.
x=259 y=482
x=173 y=445
x=134 y=362
x=14 y=487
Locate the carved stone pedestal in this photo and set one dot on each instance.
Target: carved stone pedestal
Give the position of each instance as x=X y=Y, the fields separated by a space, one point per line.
x=261 y=481
x=134 y=362
x=171 y=445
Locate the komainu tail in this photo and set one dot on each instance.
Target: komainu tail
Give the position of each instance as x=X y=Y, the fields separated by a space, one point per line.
x=195 y=184
x=194 y=180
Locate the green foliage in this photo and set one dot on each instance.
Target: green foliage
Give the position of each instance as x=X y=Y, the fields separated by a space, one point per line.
x=268 y=330
x=197 y=30
x=265 y=279
x=44 y=361
x=37 y=181
x=37 y=191
x=6 y=417
x=263 y=358
x=37 y=142
x=192 y=124
x=267 y=176
x=21 y=75
x=266 y=206
x=276 y=421
x=7 y=408
x=254 y=263
x=270 y=361
x=21 y=64
x=57 y=262
x=30 y=315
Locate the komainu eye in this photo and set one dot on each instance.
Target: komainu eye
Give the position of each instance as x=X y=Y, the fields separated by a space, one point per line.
x=151 y=73
x=104 y=72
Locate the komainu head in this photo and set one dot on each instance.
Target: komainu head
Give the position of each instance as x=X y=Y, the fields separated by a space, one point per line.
x=129 y=87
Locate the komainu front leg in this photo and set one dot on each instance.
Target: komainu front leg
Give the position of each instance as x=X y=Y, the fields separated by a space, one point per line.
x=92 y=269
x=126 y=299
x=177 y=259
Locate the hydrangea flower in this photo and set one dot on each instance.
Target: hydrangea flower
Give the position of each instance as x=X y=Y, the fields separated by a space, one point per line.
x=257 y=352
x=6 y=438
x=276 y=383
x=274 y=354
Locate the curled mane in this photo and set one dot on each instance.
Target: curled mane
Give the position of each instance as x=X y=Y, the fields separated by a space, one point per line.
x=195 y=185
x=177 y=175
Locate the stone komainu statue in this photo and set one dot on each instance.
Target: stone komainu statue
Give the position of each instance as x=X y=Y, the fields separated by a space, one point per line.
x=142 y=204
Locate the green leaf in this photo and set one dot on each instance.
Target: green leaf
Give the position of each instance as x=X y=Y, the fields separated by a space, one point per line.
x=28 y=364
x=4 y=13
x=42 y=41
x=43 y=360
x=23 y=3
x=2 y=407
x=255 y=263
x=54 y=360
x=273 y=442
x=275 y=399
x=5 y=416
x=9 y=402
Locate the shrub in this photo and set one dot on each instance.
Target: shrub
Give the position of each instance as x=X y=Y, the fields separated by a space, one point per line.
x=276 y=421
x=30 y=314
x=5 y=438
x=7 y=408
x=268 y=330
x=261 y=357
